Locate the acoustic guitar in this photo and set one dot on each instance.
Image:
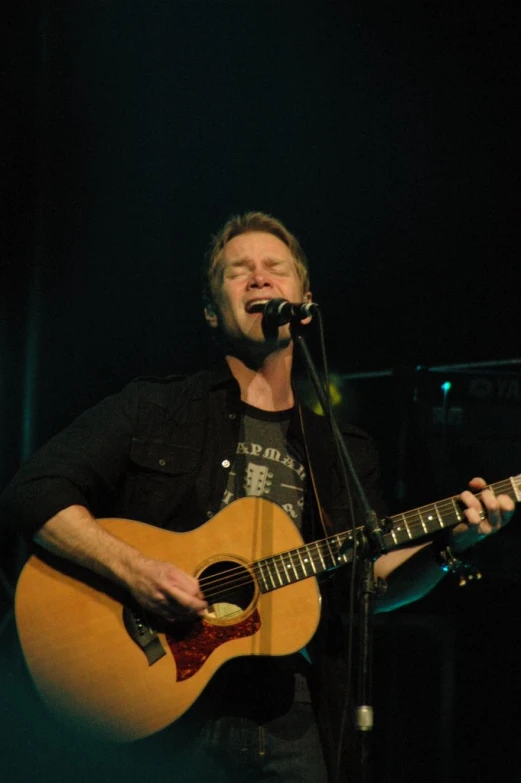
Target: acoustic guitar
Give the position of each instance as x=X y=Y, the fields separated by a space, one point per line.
x=101 y=662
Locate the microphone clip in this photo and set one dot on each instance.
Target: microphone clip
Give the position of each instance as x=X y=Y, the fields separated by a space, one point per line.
x=278 y=312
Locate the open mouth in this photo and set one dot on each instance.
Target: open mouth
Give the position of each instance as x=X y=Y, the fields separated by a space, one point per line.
x=256 y=305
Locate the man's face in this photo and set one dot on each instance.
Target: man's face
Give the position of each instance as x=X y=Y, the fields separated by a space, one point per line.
x=255 y=267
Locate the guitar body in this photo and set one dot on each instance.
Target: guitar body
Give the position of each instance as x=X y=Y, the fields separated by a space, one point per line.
x=89 y=669
x=98 y=660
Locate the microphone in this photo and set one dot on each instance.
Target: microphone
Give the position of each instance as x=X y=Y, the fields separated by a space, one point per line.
x=277 y=312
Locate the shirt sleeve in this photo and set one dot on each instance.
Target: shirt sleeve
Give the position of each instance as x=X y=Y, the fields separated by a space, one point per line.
x=82 y=465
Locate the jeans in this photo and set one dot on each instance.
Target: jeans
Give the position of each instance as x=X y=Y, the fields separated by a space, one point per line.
x=237 y=749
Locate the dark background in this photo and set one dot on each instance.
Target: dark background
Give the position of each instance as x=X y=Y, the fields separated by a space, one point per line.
x=385 y=135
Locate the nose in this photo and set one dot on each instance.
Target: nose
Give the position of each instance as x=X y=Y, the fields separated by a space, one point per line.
x=258 y=280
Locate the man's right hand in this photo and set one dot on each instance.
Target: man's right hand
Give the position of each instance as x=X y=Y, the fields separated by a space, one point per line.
x=165 y=590
x=158 y=587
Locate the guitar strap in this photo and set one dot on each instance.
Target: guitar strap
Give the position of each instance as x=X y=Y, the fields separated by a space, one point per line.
x=325 y=522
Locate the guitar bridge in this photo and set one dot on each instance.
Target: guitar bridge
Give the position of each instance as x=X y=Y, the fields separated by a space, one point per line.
x=143 y=634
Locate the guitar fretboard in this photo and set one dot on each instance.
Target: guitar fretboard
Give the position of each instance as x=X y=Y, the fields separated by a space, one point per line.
x=329 y=553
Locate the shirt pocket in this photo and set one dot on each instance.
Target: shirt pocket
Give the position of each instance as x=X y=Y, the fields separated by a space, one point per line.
x=161 y=472
x=162 y=457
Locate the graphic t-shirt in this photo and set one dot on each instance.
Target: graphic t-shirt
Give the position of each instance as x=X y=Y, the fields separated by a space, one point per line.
x=264 y=464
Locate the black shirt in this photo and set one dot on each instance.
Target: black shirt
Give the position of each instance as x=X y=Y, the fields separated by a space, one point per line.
x=160 y=452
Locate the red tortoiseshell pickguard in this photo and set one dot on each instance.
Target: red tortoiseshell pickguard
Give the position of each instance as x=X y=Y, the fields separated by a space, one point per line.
x=193 y=643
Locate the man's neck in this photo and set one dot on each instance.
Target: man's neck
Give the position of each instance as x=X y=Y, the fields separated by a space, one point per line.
x=269 y=386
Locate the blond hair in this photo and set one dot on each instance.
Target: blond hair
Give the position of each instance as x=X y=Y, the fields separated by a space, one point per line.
x=243 y=224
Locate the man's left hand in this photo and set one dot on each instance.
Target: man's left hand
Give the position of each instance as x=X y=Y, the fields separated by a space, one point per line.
x=484 y=515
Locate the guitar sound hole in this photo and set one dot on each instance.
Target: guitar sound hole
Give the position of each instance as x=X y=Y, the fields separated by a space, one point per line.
x=229 y=589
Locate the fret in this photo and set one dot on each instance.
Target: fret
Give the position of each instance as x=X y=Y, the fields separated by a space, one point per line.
x=456 y=509
x=289 y=571
x=317 y=546
x=263 y=577
x=422 y=523
x=310 y=560
x=331 y=553
x=410 y=521
x=440 y=518
x=273 y=585
x=430 y=519
x=401 y=533
x=288 y=575
x=335 y=557
x=294 y=564
x=304 y=571
x=278 y=569
x=298 y=566
x=268 y=568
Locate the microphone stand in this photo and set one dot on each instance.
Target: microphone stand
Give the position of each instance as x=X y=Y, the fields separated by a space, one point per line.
x=366 y=548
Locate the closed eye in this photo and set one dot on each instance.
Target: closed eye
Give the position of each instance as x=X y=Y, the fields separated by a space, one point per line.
x=242 y=267
x=279 y=268
x=236 y=270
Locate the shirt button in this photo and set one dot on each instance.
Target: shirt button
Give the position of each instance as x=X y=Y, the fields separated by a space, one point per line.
x=162 y=462
x=225 y=463
x=209 y=514
x=232 y=416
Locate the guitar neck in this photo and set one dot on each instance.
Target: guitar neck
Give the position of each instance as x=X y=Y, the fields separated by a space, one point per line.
x=329 y=553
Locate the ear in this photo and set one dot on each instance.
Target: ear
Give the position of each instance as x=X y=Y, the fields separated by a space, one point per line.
x=211 y=316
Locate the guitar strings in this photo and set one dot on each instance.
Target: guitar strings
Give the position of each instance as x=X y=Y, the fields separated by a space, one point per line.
x=239 y=576
x=317 y=557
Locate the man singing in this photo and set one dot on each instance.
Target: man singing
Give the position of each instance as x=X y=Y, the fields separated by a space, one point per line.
x=174 y=452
